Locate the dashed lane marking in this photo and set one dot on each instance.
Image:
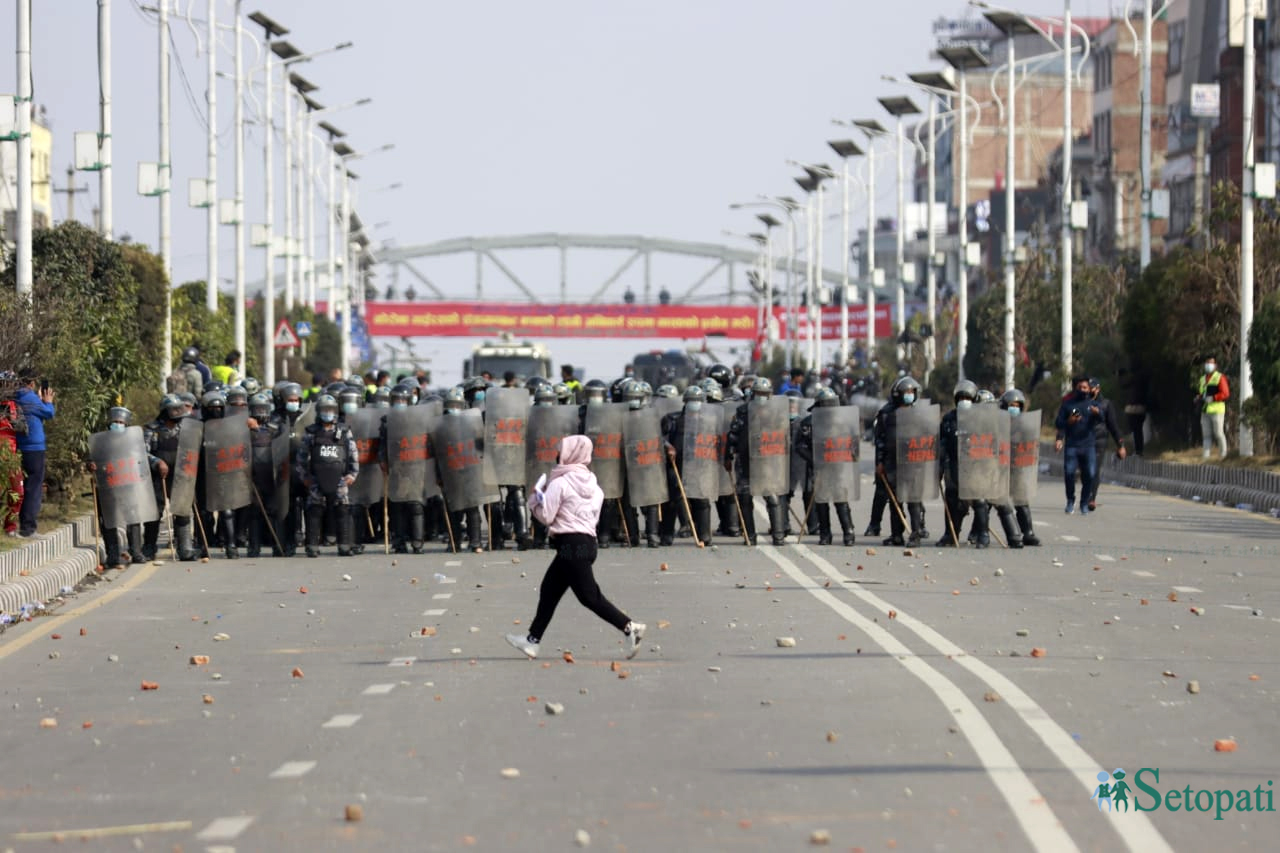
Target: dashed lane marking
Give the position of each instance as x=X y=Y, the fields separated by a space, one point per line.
x=1187 y=589
x=224 y=828
x=1143 y=573
x=404 y=661
x=292 y=770
x=377 y=690
x=442 y=596
x=1066 y=537
x=451 y=564
x=1105 y=558
x=435 y=611
x=342 y=721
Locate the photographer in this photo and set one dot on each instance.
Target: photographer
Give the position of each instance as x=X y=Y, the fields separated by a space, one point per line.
x=37 y=407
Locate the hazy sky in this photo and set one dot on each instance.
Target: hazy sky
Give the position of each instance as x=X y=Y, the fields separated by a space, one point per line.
x=508 y=117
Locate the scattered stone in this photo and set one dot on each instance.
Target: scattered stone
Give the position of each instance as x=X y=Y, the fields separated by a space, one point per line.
x=907 y=552
x=354 y=813
x=199 y=660
x=871 y=552
x=150 y=685
x=297 y=672
x=1199 y=611
x=820 y=838
x=713 y=669
x=1225 y=745
x=567 y=657
x=49 y=723
x=87 y=724
x=999 y=573
x=1143 y=602
x=990 y=696
x=583 y=691
x=624 y=673
x=217 y=638
x=55 y=636
x=554 y=709
x=1193 y=687
x=832 y=737
x=582 y=838
x=54 y=655
x=663 y=623
x=1023 y=632
x=515 y=561
x=206 y=699
x=614 y=667
x=1038 y=652
x=510 y=773
x=786 y=642
x=1255 y=677
x=1168 y=673
x=893 y=614
x=302 y=589
x=346 y=577
x=217 y=676
x=204 y=559
x=1173 y=596
x=973 y=581
x=662 y=568
x=1256 y=612
x=473 y=630
x=113 y=658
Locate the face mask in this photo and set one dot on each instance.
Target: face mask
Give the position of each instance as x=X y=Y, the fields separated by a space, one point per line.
x=1014 y=412
x=1080 y=395
x=292 y=406
x=479 y=397
x=327 y=417
x=964 y=404
x=635 y=405
x=349 y=408
x=908 y=399
x=399 y=405
x=693 y=406
x=1210 y=367
x=382 y=404
x=115 y=426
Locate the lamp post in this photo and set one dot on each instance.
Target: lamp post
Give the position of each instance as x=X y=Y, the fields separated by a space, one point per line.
x=789 y=206
x=238 y=202
x=873 y=129
x=292 y=203
x=818 y=173
x=769 y=223
x=962 y=59
x=211 y=174
x=23 y=275
x=845 y=148
x=809 y=184
x=899 y=107
x=105 y=191
x=271 y=30
x=1246 y=225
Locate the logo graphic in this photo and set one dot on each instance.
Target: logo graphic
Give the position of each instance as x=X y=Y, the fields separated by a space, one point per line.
x=1115 y=793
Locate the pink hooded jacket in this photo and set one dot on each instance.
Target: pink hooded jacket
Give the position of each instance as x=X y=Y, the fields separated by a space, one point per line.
x=571 y=501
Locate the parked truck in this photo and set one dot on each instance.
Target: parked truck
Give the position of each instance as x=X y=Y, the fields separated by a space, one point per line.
x=523 y=358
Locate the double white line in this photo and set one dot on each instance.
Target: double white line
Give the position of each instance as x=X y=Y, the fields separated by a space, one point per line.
x=1029 y=806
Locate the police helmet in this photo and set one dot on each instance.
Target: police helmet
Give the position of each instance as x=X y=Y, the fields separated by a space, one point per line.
x=236 y=396
x=721 y=374
x=965 y=390
x=668 y=391
x=213 y=403
x=1013 y=399
x=251 y=385
x=826 y=397
x=695 y=394
x=119 y=414
x=190 y=355
x=260 y=405
x=382 y=397
x=188 y=399
x=902 y=387
x=564 y=394
x=545 y=396
x=455 y=400
x=985 y=396
x=401 y=394
x=172 y=407
x=326 y=403
x=761 y=387
x=713 y=390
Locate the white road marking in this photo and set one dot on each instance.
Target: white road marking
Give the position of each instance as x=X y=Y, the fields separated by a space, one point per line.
x=224 y=829
x=1030 y=809
x=292 y=770
x=449 y=564
x=437 y=611
x=342 y=721
x=1105 y=558
x=1065 y=537
x=1187 y=589
x=442 y=596
x=1142 y=573
x=377 y=690
x=449 y=580
x=1239 y=607
x=404 y=661
x=1135 y=830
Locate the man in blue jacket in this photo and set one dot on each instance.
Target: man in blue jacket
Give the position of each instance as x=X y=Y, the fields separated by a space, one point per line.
x=1077 y=417
x=37 y=405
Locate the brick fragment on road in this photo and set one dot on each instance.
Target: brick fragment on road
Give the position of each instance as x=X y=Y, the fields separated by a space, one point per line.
x=820 y=838
x=150 y=685
x=554 y=709
x=510 y=773
x=1225 y=745
x=199 y=660
x=49 y=723
x=354 y=813
x=786 y=642
x=297 y=672
x=1193 y=687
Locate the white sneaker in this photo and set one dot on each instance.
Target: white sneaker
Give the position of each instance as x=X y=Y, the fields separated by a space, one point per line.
x=524 y=644
x=634 y=633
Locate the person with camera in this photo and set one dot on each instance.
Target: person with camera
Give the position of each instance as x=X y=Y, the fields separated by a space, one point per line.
x=1212 y=393
x=37 y=407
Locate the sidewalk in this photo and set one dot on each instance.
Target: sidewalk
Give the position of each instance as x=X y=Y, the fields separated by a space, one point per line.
x=40 y=570
x=1253 y=491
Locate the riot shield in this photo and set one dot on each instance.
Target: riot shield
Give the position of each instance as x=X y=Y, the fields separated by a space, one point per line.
x=702 y=456
x=506 y=418
x=1004 y=454
x=547 y=425
x=411 y=474
x=305 y=419
x=667 y=406
x=454 y=441
x=646 y=460
x=365 y=424
x=727 y=411
x=604 y=427
x=227 y=474
x=769 y=442
x=182 y=488
x=977 y=449
x=867 y=406
x=836 y=433
x=917 y=470
x=282 y=461
x=1024 y=457
x=125 y=493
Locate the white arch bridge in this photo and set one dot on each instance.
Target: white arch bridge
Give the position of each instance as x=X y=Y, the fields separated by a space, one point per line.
x=720 y=259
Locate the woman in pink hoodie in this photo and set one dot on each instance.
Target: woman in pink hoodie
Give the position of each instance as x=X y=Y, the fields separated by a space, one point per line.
x=569 y=506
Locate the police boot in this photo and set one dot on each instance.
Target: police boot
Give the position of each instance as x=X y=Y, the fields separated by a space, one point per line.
x=651 y=537
x=417 y=527
x=879 y=502
x=205 y=523
x=924 y=528
x=254 y=549
x=728 y=515
x=915 y=513
x=1029 y=536
x=777 y=521
x=182 y=540
x=346 y=526
x=134 y=534
x=955 y=515
x=845 y=516
x=315 y=520
x=150 y=536
x=702 y=521
x=822 y=516
x=748 y=518
x=474 y=531
x=1011 y=532
x=111 y=544
x=399 y=517
x=228 y=524
x=784 y=501
x=981 y=524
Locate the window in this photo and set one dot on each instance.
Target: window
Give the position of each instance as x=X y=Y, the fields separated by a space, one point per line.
x=1177 y=33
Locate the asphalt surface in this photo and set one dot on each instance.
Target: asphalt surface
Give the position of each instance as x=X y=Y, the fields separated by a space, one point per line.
x=910 y=714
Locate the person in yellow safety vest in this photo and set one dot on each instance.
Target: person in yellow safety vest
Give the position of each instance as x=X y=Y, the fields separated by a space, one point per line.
x=567 y=377
x=1214 y=392
x=228 y=373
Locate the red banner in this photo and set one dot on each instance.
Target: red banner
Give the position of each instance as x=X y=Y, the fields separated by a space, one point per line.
x=480 y=319
x=831 y=322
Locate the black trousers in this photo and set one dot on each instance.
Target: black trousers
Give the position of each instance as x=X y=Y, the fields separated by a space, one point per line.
x=571 y=569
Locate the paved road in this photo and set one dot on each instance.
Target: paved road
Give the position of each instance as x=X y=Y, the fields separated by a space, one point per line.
x=936 y=729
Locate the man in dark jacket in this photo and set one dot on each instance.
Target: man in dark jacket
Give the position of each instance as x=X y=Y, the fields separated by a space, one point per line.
x=1110 y=426
x=37 y=407
x=1077 y=417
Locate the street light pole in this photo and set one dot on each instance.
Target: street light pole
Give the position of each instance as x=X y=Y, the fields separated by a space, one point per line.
x=1068 y=248
x=931 y=243
x=845 y=149
x=1246 y=226
x=238 y=202
x=211 y=176
x=164 y=175
x=105 y=191
x=1144 y=250
x=23 y=276
x=1010 y=178
x=288 y=189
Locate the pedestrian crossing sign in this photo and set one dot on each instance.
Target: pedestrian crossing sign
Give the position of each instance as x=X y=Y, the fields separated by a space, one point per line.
x=285 y=337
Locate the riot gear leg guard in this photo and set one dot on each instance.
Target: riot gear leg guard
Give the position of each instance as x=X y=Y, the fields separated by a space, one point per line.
x=879 y=501
x=822 y=514
x=1029 y=536
x=748 y=515
x=315 y=520
x=915 y=514
x=1010 y=525
x=111 y=543
x=227 y=521
x=777 y=519
x=182 y=538
x=667 y=526
x=845 y=516
x=417 y=531
x=134 y=534
x=150 y=538
x=344 y=527
x=728 y=517
x=651 y=536
x=981 y=524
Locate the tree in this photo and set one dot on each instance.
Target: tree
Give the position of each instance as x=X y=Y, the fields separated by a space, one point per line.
x=1262 y=410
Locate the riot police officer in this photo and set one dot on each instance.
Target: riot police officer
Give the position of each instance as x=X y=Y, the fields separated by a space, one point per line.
x=1015 y=402
x=455 y=403
x=636 y=393
x=823 y=398
x=118 y=418
x=161 y=437
x=726 y=513
x=737 y=459
x=213 y=406
x=327 y=465
x=288 y=399
x=407 y=518
x=905 y=392
x=673 y=430
x=965 y=396
x=262 y=433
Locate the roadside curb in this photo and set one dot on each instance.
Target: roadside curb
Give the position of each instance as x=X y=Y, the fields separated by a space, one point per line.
x=1253 y=491
x=60 y=560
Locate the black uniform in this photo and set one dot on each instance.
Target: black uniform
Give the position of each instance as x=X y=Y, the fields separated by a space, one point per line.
x=291 y=529
x=737 y=458
x=264 y=481
x=886 y=443
x=880 y=498
x=1108 y=426
x=325 y=460
x=803 y=438
x=957 y=509
x=161 y=437
x=673 y=431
